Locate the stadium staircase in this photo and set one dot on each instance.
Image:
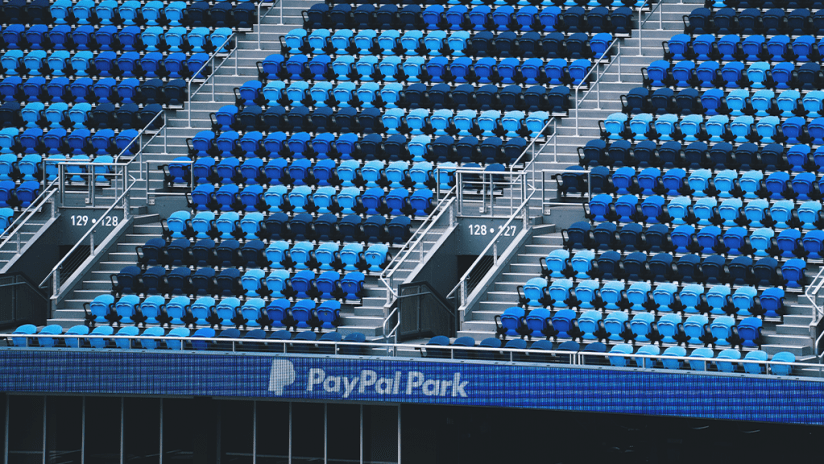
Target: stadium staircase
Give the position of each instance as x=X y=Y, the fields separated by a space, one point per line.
x=792 y=335
x=367 y=318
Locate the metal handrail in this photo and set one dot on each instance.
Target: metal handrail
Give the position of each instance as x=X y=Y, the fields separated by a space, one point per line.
x=211 y=59
x=641 y=23
x=123 y=197
x=492 y=245
x=576 y=358
x=259 y=17
x=392 y=333
x=386 y=275
x=28 y=213
x=598 y=77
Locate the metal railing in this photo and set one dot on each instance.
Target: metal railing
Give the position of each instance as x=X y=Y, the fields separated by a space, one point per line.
x=464 y=287
x=23 y=303
x=13 y=230
x=416 y=244
x=259 y=17
x=641 y=22
x=436 y=353
x=87 y=239
x=212 y=75
x=617 y=57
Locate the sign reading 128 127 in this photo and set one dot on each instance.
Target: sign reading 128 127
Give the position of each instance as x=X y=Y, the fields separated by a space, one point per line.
x=482 y=229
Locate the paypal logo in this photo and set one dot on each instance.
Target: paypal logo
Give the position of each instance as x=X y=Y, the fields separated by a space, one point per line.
x=367 y=382
x=282 y=375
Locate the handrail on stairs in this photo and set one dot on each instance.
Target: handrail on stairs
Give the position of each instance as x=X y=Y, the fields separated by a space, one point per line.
x=212 y=75
x=616 y=57
x=54 y=274
x=641 y=23
x=462 y=287
x=386 y=276
x=23 y=218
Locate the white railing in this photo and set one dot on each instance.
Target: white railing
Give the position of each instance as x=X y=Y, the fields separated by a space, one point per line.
x=14 y=229
x=212 y=76
x=415 y=245
x=428 y=352
x=461 y=291
x=88 y=237
x=658 y=5
x=617 y=57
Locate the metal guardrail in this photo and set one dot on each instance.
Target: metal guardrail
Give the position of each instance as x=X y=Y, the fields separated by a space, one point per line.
x=259 y=17
x=13 y=230
x=462 y=287
x=212 y=75
x=416 y=244
x=598 y=76
x=88 y=237
x=641 y=22
x=431 y=352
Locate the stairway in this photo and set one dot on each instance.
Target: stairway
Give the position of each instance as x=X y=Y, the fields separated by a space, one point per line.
x=793 y=334
x=367 y=318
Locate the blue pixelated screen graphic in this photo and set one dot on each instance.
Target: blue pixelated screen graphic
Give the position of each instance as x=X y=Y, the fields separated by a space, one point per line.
x=683 y=394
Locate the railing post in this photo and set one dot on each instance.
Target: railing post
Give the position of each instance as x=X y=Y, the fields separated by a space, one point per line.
x=495 y=254
x=640 y=30
x=56 y=282
x=619 y=63
x=463 y=293
x=576 y=111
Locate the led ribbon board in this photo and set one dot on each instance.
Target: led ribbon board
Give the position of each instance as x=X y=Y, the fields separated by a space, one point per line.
x=607 y=390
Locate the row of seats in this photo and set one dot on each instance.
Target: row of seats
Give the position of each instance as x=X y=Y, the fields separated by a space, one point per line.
x=642 y=328
x=279 y=254
x=556 y=71
x=718 y=128
x=735 y=74
x=726 y=361
x=418 y=121
x=347 y=146
x=690 y=268
x=79 y=116
x=641 y=296
x=731 y=47
x=154 y=13
x=149 y=66
x=436 y=43
x=607 y=236
x=112 y=38
x=698 y=155
x=685 y=238
x=478 y=18
x=730 y=212
x=702 y=182
x=85 y=90
x=20 y=196
x=254 y=282
x=799 y=21
x=57 y=142
x=303 y=226
x=104 y=64
x=737 y=102
x=391 y=95
x=350 y=174
x=252 y=340
x=349 y=201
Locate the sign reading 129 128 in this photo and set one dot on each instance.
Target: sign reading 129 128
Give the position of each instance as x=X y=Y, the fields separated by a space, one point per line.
x=82 y=220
